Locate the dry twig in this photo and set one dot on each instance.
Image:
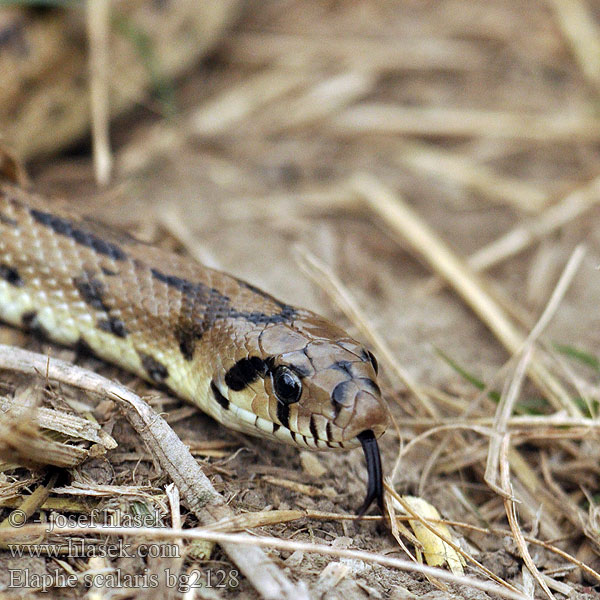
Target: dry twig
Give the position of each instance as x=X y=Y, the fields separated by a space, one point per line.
x=508 y=400
x=171 y=454
x=392 y=119
x=339 y=294
x=98 y=22
x=583 y=35
x=410 y=227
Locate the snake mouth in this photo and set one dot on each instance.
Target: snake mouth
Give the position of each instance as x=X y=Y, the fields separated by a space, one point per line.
x=375 y=483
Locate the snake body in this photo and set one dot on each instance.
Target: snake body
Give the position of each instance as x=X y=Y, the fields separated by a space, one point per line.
x=253 y=363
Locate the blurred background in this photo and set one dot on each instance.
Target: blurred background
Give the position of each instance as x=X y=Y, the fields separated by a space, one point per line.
x=248 y=134
x=249 y=119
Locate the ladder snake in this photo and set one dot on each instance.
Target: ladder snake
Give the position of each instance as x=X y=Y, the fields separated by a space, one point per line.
x=253 y=363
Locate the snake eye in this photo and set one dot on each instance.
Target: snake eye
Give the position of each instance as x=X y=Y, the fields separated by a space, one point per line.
x=287 y=385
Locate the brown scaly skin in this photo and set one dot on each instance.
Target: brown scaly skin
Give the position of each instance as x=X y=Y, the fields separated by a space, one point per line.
x=253 y=363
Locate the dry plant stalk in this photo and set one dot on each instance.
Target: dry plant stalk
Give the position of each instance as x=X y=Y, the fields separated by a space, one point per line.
x=411 y=228
x=508 y=400
x=68 y=425
x=461 y=169
x=216 y=116
x=397 y=120
x=583 y=35
x=572 y=206
x=98 y=22
x=31 y=504
x=540 y=425
x=509 y=505
x=105 y=491
x=22 y=443
x=531 y=540
x=317 y=103
x=326 y=279
x=308 y=52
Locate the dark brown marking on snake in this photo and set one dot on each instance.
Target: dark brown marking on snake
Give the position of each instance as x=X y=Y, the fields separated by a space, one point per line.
x=92 y=291
x=109 y=272
x=31 y=324
x=328 y=435
x=218 y=396
x=82 y=347
x=7 y=220
x=283 y=414
x=313 y=427
x=214 y=306
x=183 y=285
x=276 y=427
x=104 y=231
x=114 y=326
x=81 y=236
x=244 y=372
x=187 y=341
x=11 y=275
x=157 y=372
x=13 y=38
x=27 y=319
x=205 y=311
x=201 y=306
x=286 y=315
x=293 y=434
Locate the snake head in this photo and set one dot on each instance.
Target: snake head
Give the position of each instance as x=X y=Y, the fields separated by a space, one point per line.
x=308 y=384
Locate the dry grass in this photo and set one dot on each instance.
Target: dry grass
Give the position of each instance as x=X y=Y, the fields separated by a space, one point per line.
x=438 y=165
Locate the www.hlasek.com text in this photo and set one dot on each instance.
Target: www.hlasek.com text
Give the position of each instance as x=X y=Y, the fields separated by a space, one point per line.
x=79 y=548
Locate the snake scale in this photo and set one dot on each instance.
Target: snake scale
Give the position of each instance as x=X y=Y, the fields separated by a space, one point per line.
x=253 y=363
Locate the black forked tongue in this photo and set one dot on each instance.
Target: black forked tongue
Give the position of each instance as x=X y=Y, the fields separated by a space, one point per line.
x=375 y=485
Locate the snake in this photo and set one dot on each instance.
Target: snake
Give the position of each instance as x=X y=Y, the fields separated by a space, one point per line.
x=253 y=363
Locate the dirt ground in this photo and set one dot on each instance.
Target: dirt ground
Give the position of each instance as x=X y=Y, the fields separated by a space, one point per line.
x=482 y=116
